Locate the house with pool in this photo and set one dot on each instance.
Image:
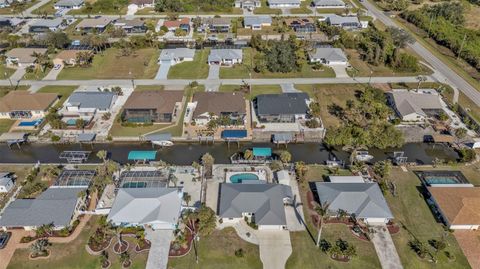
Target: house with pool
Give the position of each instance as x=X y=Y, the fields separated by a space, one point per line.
x=260 y=203
x=25 y=105
x=229 y=108
x=86 y=104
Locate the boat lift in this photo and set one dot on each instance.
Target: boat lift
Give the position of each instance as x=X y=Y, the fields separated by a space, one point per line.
x=75 y=156
x=399 y=157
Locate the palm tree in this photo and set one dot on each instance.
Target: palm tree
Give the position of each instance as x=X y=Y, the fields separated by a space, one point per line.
x=39 y=247
x=187 y=198
x=196 y=166
x=285 y=156
x=323 y=213
x=248 y=154
x=42 y=60
x=207 y=161
x=420 y=80
x=102 y=155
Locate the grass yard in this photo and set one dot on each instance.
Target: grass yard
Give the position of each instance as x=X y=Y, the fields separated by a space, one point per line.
x=22 y=7
x=5 y=89
x=265 y=9
x=20 y=172
x=196 y=69
x=63 y=91
x=328 y=95
x=73 y=255
x=110 y=65
x=362 y=68
x=412 y=212
x=5 y=125
x=37 y=74
x=466 y=103
x=217 y=251
x=47 y=9
x=256 y=89
x=303 y=9
x=110 y=7
x=149 y=88
x=6 y=72
x=306 y=255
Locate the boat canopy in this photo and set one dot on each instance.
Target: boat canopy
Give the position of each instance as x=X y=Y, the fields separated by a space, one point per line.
x=232 y=134
x=159 y=137
x=142 y=155
x=262 y=152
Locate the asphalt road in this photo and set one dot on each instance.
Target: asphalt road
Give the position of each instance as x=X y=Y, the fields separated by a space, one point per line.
x=182 y=82
x=443 y=73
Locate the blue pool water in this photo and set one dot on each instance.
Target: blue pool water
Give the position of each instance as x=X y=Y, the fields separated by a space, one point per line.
x=442 y=180
x=33 y=123
x=71 y=121
x=238 y=178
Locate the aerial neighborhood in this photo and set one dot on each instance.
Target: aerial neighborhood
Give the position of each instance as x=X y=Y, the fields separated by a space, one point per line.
x=276 y=134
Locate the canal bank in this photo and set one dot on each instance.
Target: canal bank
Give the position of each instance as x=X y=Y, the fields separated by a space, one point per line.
x=186 y=153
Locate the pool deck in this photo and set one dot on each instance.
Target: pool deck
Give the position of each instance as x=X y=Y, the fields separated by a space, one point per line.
x=445 y=178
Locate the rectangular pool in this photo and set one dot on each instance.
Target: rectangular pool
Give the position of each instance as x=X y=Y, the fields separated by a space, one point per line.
x=445 y=178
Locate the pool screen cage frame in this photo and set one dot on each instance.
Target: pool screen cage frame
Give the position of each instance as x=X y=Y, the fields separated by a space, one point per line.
x=74 y=178
x=151 y=178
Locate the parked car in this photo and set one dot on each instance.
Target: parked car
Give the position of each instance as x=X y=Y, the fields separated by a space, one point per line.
x=4 y=237
x=57 y=66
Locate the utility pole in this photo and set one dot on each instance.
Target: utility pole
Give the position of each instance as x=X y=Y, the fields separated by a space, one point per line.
x=461 y=46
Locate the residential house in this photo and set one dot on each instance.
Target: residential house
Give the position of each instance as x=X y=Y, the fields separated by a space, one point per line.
x=132 y=26
x=262 y=204
x=158 y=208
x=46 y=25
x=5 y=3
x=328 y=56
x=88 y=103
x=225 y=56
x=284 y=107
x=415 y=106
x=345 y=22
x=6 y=182
x=142 y=3
x=152 y=106
x=248 y=4
x=10 y=23
x=22 y=57
x=301 y=25
x=216 y=25
x=183 y=24
x=283 y=3
x=346 y=179
x=69 y=4
x=26 y=105
x=97 y=25
x=175 y=56
x=68 y=57
x=363 y=200
x=57 y=206
x=458 y=206
x=329 y=4
x=213 y=105
x=257 y=22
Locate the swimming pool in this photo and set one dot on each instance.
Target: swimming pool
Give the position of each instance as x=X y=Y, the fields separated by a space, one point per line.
x=441 y=177
x=33 y=123
x=442 y=180
x=71 y=121
x=239 y=178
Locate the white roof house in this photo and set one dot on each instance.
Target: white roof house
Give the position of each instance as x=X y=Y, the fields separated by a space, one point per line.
x=346 y=22
x=257 y=22
x=68 y=4
x=225 y=56
x=284 y=3
x=177 y=55
x=329 y=4
x=6 y=182
x=156 y=207
x=415 y=106
x=328 y=56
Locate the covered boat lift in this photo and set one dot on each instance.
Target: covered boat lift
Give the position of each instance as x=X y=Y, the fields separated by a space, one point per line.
x=13 y=139
x=142 y=155
x=75 y=156
x=233 y=136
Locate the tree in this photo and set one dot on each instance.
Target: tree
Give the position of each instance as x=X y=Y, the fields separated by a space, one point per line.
x=400 y=37
x=461 y=133
x=80 y=123
x=207 y=161
x=187 y=198
x=382 y=168
x=285 y=156
x=57 y=40
x=39 y=247
x=248 y=154
x=420 y=80
x=206 y=220
x=124 y=257
x=196 y=166
x=44 y=230
x=84 y=58
x=442 y=116
x=102 y=155
x=323 y=214
x=301 y=170
x=419 y=248
x=42 y=60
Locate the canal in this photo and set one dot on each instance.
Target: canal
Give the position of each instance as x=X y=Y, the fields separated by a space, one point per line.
x=186 y=153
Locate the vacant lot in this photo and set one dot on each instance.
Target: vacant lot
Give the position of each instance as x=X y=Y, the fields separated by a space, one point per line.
x=217 y=251
x=111 y=65
x=256 y=89
x=196 y=69
x=62 y=91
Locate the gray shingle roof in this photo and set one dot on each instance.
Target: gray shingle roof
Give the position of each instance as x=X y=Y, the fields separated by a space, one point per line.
x=285 y=103
x=170 y=54
x=92 y=99
x=407 y=102
x=257 y=20
x=329 y=54
x=264 y=200
x=365 y=200
x=69 y=3
x=219 y=54
x=5 y=178
x=55 y=205
x=336 y=19
x=146 y=205
x=329 y=3
x=47 y=23
x=278 y=2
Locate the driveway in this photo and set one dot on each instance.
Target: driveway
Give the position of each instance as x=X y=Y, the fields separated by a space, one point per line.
x=18 y=75
x=294 y=214
x=214 y=72
x=385 y=248
x=286 y=88
x=52 y=75
x=275 y=248
x=340 y=71
x=158 y=254
x=163 y=70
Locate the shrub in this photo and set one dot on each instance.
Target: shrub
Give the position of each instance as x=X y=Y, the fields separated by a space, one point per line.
x=467 y=155
x=239 y=253
x=55 y=138
x=312 y=123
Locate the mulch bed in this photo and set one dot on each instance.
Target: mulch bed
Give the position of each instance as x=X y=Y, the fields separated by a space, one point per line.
x=146 y=245
x=340 y=259
x=341 y=221
x=127 y=264
x=106 y=264
x=310 y=200
x=102 y=246
x=47 y=254
x=182 y=251
x=359 y=236
x=120 y=248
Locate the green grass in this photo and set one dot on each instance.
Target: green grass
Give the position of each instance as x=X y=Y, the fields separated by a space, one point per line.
x=265 y=9
x=63 y=91
x=149 y=87
x=110 y=65
x=303 y=9
x=217 y=251
x=196 y=69
x=256 y=89
x=411 y=211
x=5 y=125
x=5 y=89
x=111 y=7
x=37 y=74
x=5 y=70
x=46 y=9
x=22 y=7
x=73 y=255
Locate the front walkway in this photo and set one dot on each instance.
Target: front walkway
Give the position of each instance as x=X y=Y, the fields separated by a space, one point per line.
x=385 y=248
x=158 y=254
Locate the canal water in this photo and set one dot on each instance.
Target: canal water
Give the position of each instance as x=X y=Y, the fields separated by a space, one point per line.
x=185 y=153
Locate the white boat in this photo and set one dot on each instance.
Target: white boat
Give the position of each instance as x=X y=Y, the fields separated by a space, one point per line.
x=363 y=156
x=163 y=143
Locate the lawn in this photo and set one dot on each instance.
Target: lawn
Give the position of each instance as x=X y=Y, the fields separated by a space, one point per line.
x=306 y=255
x=22 y=7
x=241 y=71
x=110 y=7
x=63 y=91
x=6 y=72
x=218 y=251
x=37 y=74
x=196 y=69
x=362 y=68
x=328 y=95
x=5 y=125
x=47 y=9
x=465 y=102
x=256 y=89
x=149 y=88
x=303 y=9
x=5 y=89
x=72 y=255
x=142 y=64
x=412 y=212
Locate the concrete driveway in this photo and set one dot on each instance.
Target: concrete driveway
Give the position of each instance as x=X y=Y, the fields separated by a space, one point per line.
x=158 y=254
x=214 y=72
x=275 y=248
x=294 y=213
x=340 y=71
x=52 y=75
x=18 y=74
x=163 y=70
x=385 y=248
x=287 y=88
